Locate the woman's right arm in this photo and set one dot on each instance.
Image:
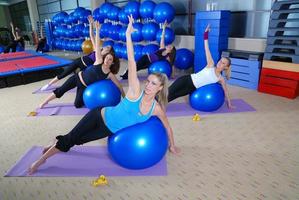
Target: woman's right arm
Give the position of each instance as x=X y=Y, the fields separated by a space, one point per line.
x=13 y=31
x=99 y=58
x=162 y=42
x=134 y=84
x=210 y=61
x=91 y=34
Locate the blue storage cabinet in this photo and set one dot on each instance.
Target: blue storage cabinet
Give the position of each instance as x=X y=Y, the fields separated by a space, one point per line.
x=218 y=36
x=245 y=68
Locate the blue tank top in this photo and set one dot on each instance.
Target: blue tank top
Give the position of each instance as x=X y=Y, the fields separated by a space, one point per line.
x=125 y=114
x=93 y=74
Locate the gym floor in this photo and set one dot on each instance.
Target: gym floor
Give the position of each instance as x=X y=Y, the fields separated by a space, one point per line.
x=249 y=155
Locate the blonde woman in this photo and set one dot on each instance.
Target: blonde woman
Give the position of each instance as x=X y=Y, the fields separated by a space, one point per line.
x=210 y=74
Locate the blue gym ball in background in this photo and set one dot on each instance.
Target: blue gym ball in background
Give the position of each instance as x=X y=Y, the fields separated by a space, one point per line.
x=164 y=11
x=149 y=31
x=139 y=146
x=132 y=8
x=101 y=94
x=146 y=9
x=207 y=98
x=168 y=37
x=184 y=59
x=162 y=66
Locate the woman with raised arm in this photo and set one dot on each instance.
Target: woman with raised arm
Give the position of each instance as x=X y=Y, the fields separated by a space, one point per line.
x=138 y=106
x=104 y=67
x=17 y=39
x=164 y=53
x=83 y=62
x=42 y=41
x=210 y=74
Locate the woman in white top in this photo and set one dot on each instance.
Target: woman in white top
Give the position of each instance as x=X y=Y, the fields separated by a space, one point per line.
x=210 y=74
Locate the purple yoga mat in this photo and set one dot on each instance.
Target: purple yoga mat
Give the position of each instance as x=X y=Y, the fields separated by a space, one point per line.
x=173 y=109
x=81 y=161
x=50 y=89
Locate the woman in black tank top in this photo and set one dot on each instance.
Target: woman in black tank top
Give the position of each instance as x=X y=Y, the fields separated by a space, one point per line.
x=164 y=53
x=104 y=67
x=82 y=62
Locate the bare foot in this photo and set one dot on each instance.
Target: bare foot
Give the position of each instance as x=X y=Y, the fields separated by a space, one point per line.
x=32 y=169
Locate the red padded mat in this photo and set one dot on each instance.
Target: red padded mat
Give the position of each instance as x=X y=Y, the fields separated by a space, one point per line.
x=14 y=55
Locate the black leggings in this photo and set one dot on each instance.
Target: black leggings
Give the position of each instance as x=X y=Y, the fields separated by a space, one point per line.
x=91 y=127
x=72 y=82
x=41 y=45
x=181 y=87
x=142 y=63
x=12 y=45
x=76 y=64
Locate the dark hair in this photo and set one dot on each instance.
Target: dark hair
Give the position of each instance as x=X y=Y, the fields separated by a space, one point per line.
x=171 y=55
x=114 y=68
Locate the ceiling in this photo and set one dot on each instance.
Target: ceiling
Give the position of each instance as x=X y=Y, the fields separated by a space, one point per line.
x=9 y=2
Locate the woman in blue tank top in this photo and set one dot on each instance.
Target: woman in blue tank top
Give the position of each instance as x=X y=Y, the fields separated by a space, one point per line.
x=164 y=53
x=185 y=85
x=137 y=106
x=104 y=67
x=82 y=62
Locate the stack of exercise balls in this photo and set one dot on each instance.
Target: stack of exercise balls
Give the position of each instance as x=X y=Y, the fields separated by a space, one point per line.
x=70 y=30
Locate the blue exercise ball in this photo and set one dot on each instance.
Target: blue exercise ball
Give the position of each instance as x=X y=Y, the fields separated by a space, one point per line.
x=137 y=51
x=20 y=48
x=113 y=13
x=46 y=48
x=207 y=98
x=118 y=49
x=108 y=43
x=139 y=146
x=132 y=8
x=124 y=53
x=184 y=59
x=149 y=31
x=164 y=11
x=104 y=10
x=162 y=66
x=78 y=12
x=146 y=9
x=122 y=34
x=137 y=35
x=1 y=48
x=150 y=48
x=101 y=94
x=104 y=32
x=123 y=17
x=168 y=38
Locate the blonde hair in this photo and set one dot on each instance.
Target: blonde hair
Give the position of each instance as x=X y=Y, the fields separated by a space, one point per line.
x=162 y=95
x=228 y=70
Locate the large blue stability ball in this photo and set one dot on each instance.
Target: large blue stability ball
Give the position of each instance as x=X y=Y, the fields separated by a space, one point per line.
x=132 y=8
x=149 y=31
x=168 y=37
x=150 y=48
x=184 y=59
x=164 y=11
x=139 y=146
x=162 y=66
x=146 y=9
x=101 y=94
x=207 y=98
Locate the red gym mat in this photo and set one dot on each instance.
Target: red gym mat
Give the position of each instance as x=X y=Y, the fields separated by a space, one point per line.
x=26 y=63
x=14 y=55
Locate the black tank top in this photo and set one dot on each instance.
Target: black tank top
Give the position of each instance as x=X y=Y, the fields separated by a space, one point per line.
x=93 y=74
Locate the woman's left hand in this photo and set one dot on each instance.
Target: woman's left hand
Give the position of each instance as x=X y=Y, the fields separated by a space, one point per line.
x=173 y=149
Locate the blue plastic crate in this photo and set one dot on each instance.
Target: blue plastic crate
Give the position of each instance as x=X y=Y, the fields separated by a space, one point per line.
x=245 y=73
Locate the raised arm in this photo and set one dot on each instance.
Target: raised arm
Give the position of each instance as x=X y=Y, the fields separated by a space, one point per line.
x=160 y=113
x=134 y=84
x=13 y=30
x=99 y=58
x=210 y=62
x=91 y=34
x=162 y=42
x=41 y=30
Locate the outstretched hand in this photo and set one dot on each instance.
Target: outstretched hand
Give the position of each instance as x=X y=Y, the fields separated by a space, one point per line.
x=97 y=24
x=164 y=25
x=130 y=28
x=174 y=149
x=90 y=19
x=208 y=28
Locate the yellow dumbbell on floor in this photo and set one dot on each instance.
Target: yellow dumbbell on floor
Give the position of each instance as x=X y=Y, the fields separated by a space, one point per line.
x=100 y=181
x=196 y=117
